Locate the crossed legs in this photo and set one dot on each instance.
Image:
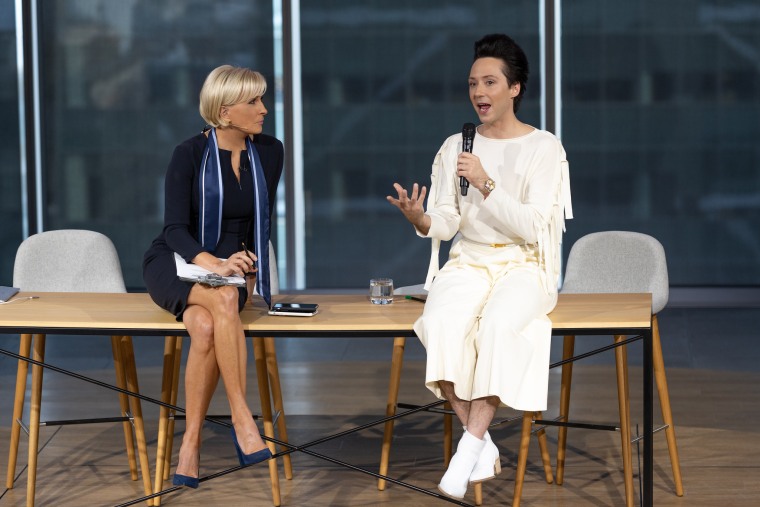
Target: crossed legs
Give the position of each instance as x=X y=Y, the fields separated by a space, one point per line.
x=217 y=346
x=475 y=415
x=485 y=340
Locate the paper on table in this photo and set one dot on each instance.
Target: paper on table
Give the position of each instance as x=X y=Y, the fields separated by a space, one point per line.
x=194 y=273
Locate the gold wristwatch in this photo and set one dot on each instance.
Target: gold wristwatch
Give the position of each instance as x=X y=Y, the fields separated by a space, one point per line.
x=489 y=186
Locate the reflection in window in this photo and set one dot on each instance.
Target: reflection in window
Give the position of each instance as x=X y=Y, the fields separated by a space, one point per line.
x=384 y=83
x=121 y=84
x=10 y=190
x=661 y=106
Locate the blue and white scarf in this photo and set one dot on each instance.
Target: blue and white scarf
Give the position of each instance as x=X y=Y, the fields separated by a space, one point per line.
x=212 y=197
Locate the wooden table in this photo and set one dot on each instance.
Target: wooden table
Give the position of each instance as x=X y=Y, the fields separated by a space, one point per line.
x=339 y=315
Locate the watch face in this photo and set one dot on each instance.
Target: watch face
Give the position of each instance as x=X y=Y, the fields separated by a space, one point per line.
x=489 y=185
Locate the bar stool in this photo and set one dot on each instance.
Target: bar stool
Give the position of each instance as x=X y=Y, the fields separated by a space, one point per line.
x=620 y=262
x=527 y=421
x=72 y=261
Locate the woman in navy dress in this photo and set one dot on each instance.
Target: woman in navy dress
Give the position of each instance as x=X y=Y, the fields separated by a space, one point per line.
x=231 y=104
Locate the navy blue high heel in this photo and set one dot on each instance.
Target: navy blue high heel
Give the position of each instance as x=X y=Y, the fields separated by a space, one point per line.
x=186 y=480
x=249 y=459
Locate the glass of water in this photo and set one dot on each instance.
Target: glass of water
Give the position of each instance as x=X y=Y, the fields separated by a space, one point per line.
x=381 y=291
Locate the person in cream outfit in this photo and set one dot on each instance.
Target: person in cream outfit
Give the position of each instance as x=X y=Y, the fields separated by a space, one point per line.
x=485 y=324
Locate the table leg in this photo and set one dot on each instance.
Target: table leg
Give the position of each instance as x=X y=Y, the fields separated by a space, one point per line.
x=266 y=411
x=274 y=378
x=121 y=382
x=142 y=448
x=397 y=360
x=25 y=345
x=648 y=500
x=621 y=362
x=38 y=354
x=568 y=349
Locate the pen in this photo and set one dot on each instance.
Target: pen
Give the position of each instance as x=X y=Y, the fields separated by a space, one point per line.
x=252 y=273
x=415 y=298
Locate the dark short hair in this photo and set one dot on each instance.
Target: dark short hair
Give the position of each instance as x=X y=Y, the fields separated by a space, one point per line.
x=498 y=45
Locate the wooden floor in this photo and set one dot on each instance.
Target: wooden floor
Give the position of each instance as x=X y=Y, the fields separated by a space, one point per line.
x=715 y=412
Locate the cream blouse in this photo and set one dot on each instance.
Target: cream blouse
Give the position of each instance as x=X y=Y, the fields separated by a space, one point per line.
x=528 y=206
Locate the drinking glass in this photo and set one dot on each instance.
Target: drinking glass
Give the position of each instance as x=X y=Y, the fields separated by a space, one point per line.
x=381 y=291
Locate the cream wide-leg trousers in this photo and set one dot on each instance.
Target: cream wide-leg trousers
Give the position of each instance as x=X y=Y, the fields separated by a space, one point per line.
x=485 y=326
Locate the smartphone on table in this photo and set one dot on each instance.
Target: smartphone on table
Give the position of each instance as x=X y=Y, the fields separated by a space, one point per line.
x=294 y=309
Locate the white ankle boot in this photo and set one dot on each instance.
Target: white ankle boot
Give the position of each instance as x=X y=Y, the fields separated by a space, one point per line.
x=489 y=462
x=457 y=477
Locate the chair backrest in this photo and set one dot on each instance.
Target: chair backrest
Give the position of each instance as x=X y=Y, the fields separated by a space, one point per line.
x=68 y=260
x=618 y=262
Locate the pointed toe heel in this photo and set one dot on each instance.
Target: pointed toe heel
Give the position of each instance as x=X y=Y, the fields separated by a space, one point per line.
x=249 y=459
x=186 y=480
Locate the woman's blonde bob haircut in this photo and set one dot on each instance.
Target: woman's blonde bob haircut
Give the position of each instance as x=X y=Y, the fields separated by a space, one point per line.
x=227 y=86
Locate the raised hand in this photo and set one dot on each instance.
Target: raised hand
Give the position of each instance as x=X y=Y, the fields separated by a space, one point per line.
x=412 y=206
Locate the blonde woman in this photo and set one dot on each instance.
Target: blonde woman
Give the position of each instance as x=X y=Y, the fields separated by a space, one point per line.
x=209 y=208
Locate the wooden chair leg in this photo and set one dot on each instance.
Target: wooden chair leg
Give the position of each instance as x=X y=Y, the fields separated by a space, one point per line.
x=266 y=410
x=667 y=415
x=621 y=366
x=163 y=416
x=564 y=405
x=274 y=379
x=25 y=345
x=173 y=400
x=522 y=457
x=121 y=383
x=397 y=361
x=545 y=457
x=130 y=369
x=38 y=354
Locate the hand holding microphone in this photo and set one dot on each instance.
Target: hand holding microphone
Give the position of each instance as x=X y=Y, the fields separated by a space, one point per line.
x=468 y=138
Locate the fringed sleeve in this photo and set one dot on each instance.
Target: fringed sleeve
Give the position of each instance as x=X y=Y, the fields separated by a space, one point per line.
x=442 y=204
x=549 y=233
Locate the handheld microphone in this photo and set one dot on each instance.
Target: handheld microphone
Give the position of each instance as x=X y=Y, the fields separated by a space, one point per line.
x=468 y=138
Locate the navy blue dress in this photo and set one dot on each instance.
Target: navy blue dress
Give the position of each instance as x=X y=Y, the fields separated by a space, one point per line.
x=182 y=198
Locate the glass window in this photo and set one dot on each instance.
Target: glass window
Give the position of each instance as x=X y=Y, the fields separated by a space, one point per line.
x=384 y=83
x=120 y=91
x=10 y=190
x=661 y=117
x=661 y=111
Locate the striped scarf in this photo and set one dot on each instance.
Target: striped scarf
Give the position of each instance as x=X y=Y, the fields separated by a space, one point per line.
x=212 y=196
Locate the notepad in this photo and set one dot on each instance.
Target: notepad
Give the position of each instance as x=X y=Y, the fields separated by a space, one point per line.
x=194 y=273
x=7 y=292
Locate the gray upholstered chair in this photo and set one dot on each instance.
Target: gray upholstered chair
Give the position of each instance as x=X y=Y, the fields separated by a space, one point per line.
x=71 y=261
x=527 y=419
x=620 y=262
